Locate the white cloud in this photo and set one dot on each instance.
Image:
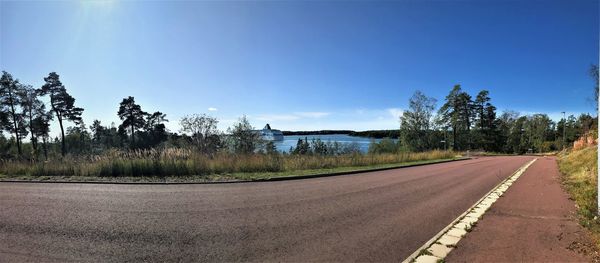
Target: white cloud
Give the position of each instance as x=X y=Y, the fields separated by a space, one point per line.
x=292 y=116
x=356 y=125
x=313 y=114
x=212 y=109
x=395 y=112
x=277 y=117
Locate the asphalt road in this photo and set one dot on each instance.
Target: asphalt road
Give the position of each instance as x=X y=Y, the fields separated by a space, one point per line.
x=529 y=226
x=376 y=216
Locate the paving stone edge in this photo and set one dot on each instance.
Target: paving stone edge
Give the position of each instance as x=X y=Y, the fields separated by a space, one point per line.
x=440 y=245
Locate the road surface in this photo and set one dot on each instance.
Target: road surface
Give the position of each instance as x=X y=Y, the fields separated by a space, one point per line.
x=374 y=216
x=528 y=226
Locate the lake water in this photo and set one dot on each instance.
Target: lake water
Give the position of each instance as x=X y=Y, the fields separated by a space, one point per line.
x=292 y=140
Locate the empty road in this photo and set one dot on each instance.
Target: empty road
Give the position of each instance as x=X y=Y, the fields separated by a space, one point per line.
x=374 y=216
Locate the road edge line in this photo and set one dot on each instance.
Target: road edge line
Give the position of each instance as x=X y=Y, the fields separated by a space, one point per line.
x=498 y=190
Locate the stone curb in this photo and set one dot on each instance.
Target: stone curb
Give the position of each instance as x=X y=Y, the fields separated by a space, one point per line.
x=438 y=247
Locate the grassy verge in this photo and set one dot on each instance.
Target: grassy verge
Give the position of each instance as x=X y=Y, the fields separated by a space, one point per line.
x=350 y=169
x=180 y=162
x=224 y=177
x=580 y=174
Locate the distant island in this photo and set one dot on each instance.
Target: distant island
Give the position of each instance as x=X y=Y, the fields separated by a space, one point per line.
x=378 y=134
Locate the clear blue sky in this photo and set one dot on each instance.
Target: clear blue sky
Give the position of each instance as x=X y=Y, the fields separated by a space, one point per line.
x=304 y=65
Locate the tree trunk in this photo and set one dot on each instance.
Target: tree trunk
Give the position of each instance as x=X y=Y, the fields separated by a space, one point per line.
x=16 y=127
x=481 y=117
x=468 y=129
x=132 y=136
x=455 y=146
x=62 y=135
x=45 y=148
x=33 y=138
x=62 y=130
x=132 y=129
x=15 y=124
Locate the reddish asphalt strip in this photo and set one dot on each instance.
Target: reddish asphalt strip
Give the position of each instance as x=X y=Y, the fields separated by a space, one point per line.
x=534 y=221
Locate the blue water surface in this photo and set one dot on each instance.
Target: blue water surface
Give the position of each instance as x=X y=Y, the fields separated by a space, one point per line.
x=292 y=140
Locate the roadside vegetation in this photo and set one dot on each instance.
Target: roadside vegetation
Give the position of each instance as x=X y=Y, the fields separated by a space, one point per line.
x=580 y=178
x=141 y=145
x=180 y=162
x=579 y=168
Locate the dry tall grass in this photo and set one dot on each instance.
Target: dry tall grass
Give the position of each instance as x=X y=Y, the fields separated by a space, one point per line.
x=580 y=177
x=181 y=162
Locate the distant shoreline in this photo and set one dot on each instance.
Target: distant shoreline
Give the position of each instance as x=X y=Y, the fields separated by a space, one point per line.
x=378 y=134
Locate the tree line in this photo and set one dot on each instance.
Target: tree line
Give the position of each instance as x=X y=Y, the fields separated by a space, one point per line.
x=27 y=112
x=463 y=122
x=23 y=112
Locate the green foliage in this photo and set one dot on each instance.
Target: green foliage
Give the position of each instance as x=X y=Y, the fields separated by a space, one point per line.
x=386 y=145
x=270 y=148
x=78 y=140
x=457 y=114
x=475 y=125
x=5 y=147
x=10 y=103
x=148 y=128
x=486 y=134
x=319 y=147
x=35 y=115
x=62 y=104
x=462 y=123
x=242 y=137
x=104 y=138
x=415 y=123
x=202 y=129
x=132 y=116
x=377 y=134
x=302 y=147
x=580 y=176
x=155 y=131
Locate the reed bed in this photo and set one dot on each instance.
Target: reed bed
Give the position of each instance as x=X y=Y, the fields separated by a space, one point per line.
x=183 y=162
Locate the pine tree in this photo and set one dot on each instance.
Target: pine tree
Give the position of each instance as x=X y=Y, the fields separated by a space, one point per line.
x=132 y=116
x=62 y=104
x=465 y=115
x=449 y=113
x=10 y=102
x=32 y=108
